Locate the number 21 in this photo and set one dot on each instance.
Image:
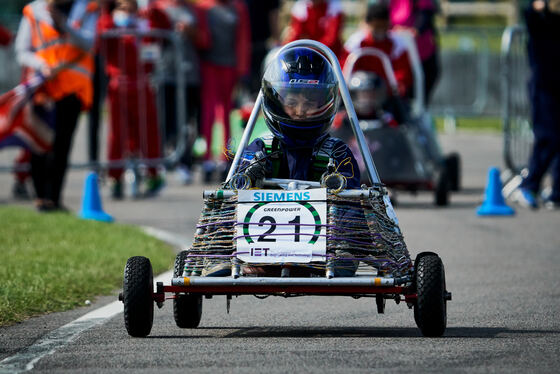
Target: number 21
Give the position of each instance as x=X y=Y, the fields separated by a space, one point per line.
x=262 y=238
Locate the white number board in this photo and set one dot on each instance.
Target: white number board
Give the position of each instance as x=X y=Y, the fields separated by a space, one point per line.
x=278 y=226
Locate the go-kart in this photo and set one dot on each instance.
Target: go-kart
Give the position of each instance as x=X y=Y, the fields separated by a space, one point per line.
x=309 y=237
x=408 y=156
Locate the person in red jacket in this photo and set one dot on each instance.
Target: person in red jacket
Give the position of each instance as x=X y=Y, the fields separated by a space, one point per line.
x=320 y=20
x=133 y=122
x=189 y=21
x=5 y=36
x=375 y=33
x=223 y=64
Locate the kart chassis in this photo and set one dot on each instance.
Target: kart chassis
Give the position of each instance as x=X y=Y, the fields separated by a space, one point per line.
x=139 y=294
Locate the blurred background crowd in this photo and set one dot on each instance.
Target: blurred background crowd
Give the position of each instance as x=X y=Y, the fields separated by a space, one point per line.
x=171 y=82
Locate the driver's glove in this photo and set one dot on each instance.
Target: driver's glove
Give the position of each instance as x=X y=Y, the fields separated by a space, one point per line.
x=256 y=171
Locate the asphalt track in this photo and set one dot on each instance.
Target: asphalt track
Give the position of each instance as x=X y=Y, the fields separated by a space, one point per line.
x=503 y=273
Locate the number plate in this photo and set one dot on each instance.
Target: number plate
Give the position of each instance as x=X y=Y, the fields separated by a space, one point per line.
x=278 y=226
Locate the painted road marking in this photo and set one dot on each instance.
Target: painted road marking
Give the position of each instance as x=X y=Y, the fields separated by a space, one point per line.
x=166 y=236
x=26 y=359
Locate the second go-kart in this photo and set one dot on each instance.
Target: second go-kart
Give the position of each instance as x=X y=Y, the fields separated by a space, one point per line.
x=405 y=150
x=290 y=238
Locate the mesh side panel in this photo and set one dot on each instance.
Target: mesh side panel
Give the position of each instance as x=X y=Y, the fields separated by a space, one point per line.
x=213 y=242
x=361 y=227
x=359 y=230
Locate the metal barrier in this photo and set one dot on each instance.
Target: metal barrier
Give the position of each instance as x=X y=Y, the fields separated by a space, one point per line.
x=518 y=135
x=465 y=87
x=10 y=74
x=159 y=60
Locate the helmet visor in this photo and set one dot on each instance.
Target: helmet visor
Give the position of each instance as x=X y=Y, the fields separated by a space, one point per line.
x=302 y=99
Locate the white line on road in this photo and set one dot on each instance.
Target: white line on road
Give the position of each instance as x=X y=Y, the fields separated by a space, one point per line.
x=26 y=359
x=165 y=236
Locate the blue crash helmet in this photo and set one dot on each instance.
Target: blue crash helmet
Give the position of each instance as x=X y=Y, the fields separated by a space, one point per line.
x=300 y=96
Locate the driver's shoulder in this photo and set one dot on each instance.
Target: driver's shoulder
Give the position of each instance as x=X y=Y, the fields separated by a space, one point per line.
x=333 y=143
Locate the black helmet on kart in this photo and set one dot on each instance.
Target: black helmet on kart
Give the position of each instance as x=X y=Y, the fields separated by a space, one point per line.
x=368 y=91
x=300 y=96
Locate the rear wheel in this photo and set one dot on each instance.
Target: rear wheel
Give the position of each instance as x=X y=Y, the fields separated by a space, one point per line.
x=187 y=309
x=453 y=167
x=430 y=311
x=138 y=288
x=441 y=194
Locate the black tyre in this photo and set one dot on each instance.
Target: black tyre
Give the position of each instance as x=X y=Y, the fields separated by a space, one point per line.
x=138 y=289
x=430 y=311
x=187 y=309
x=453 y=168
x=393 y=198
x=441 y=193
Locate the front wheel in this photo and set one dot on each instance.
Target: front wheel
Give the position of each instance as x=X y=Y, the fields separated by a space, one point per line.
x=187 y=308
x=138 y=288
x=430 y=311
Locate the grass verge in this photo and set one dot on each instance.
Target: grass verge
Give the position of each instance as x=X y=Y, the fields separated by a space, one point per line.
x=54 y=262
x=482 y=124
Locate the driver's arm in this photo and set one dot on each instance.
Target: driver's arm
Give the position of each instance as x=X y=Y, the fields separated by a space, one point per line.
x=249 y=165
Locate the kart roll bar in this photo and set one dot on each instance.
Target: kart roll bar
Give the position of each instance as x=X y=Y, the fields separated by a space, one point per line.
x=364 y=150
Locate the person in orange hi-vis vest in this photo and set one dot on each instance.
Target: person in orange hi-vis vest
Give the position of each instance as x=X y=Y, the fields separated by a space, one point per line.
x=55 y=39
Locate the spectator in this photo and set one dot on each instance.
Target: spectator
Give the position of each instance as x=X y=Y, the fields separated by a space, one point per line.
x=21 y=175
x=55 y=39
x=320 y=20
x=417 y=16
x=5 y=36
x=223 y=64
x=375 y=33
x=543 y=25
x=133 y=125
x=263 y=17
x=190 y=22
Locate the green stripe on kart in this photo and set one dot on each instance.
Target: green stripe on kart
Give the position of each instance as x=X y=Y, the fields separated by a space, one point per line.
x=315 y=214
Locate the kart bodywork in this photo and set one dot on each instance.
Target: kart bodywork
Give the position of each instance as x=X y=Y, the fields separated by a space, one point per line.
x=310 y=238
